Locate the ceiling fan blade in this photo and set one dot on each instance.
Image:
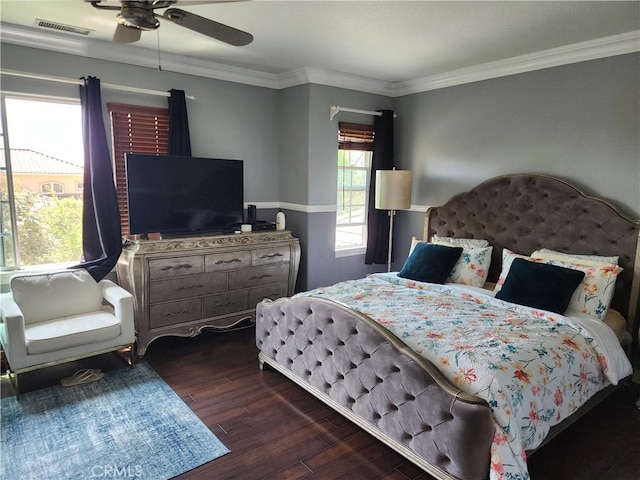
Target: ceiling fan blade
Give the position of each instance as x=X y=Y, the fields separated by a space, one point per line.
x=207 y=27
x=126 y=34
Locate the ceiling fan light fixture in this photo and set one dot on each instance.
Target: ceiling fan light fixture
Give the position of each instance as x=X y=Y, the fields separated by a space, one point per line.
x=136 y=17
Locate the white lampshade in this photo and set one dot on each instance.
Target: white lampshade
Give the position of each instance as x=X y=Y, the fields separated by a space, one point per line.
x=393 y=189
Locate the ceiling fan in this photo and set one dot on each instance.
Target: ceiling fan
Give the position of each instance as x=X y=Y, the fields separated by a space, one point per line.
x=139 y=15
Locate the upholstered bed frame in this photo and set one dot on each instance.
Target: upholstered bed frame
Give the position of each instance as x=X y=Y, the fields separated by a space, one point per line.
x=527 y=212
x=342 y=356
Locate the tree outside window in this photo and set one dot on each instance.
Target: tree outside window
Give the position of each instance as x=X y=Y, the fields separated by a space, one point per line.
x=355 y=145
x=41 y=215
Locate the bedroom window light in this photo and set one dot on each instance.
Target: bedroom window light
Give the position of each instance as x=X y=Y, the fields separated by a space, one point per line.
x=42 y=159
x=135 y=129
x=355 y=144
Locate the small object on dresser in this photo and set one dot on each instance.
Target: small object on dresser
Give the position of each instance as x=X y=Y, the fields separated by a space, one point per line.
x=251 y=214
x=245 y=227
x=280 y=220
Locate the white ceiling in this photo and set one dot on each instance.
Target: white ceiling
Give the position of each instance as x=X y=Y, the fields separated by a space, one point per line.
x=389 y=41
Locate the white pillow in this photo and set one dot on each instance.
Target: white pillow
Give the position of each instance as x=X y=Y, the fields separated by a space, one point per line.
x=53 y=295
x=592 y=260
x=471 y=268
x=460 y=242
x=592 y=296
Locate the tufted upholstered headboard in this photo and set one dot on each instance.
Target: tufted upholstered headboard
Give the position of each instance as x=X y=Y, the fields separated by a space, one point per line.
x=526 y=212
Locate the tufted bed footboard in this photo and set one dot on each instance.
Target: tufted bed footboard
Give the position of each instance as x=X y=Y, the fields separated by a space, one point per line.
x=366 y=373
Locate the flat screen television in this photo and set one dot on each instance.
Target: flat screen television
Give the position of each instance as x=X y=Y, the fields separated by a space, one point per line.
x=174 y=194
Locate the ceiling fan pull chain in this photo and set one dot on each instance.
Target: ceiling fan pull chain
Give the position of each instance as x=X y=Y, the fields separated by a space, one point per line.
x=159 y=62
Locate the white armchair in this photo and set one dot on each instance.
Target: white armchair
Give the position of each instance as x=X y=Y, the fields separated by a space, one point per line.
x=63 y=316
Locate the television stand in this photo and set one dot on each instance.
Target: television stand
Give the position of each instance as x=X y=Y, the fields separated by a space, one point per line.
x=184 y=285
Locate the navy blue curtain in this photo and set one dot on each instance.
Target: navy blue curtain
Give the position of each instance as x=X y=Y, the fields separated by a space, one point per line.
x=179 y=139
x=101 y=234
x=378 y=220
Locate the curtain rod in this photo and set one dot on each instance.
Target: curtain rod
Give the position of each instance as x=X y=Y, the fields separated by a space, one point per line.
x=335 y=109
x=110 y=86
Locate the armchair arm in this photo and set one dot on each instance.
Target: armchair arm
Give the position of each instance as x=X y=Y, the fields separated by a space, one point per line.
x=122 y=302
x=13 y=320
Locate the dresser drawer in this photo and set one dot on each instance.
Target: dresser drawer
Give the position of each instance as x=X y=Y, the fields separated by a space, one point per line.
x=265 y=256
x=174 y=313
x=227 y=261
x=258 y=276
x=190 y=286
x=224 y=303
x=273 y=292
x=174 y=267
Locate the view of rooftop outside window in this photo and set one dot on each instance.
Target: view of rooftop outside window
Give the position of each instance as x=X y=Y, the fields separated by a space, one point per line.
x=41 y=178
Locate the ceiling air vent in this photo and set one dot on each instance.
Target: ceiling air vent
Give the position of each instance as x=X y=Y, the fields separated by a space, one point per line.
x=62 y=27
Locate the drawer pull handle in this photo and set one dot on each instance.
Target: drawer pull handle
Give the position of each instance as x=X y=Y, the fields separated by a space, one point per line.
x=169 y=267
x=258 y=277
x=227 y=304
x=273 y=255
x=233 y=260
x=190 y=287
x=173 y=314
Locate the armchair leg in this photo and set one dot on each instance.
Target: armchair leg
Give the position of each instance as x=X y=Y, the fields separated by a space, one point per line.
x=13 y=380
x=129 y=358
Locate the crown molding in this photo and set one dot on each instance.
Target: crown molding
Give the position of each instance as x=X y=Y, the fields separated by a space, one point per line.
x=132 y=55
x=63 y=43
x=330 y=78
x=554 y=57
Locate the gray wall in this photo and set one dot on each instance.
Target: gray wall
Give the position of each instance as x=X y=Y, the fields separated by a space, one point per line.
x=227 y=120
x=579 y=122
x=319 y=142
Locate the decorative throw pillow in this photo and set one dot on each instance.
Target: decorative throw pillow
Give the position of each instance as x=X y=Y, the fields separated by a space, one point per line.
x=430 y=263
x=540 y=285
x=471 y=268
x=507 y=259
x=593 y=295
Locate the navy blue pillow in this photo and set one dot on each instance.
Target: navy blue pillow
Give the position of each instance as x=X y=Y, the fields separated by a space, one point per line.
x=430 y=263
x=539 y=285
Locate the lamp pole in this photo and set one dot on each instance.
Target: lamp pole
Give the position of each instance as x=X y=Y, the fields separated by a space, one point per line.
x=392 y=214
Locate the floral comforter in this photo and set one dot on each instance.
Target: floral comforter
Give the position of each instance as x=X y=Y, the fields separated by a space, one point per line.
x=534 y=368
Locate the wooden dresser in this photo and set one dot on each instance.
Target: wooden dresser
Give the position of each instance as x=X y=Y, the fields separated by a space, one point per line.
x=181 y=286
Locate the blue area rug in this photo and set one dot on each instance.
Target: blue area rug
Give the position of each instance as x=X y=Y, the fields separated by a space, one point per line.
x=129 y=424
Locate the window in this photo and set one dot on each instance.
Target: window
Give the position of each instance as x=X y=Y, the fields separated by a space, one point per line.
x=355 y=145
x=52 y=188
x=41 y=158
x=135 y=129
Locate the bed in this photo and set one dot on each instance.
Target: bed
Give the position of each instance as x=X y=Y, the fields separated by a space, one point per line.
x=439 y=400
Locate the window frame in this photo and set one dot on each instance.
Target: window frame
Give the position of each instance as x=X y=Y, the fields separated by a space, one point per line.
x=8 y=268
x=357 y=138
x=52 y=188
x=10 y=200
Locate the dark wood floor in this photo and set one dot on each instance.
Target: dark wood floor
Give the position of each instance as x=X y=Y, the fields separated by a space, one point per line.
x=276 y=430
